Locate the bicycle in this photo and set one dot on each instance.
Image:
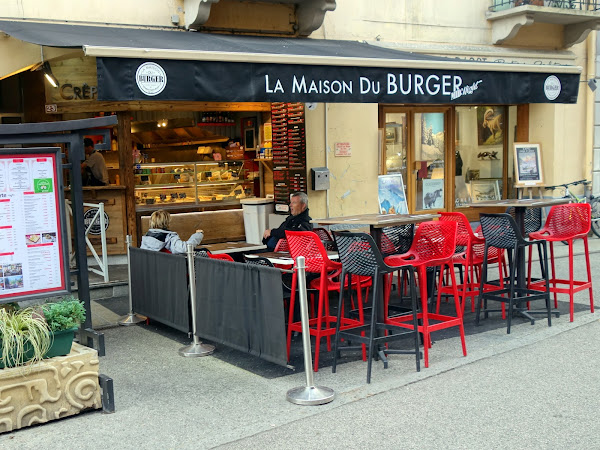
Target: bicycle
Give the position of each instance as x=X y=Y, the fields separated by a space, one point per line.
x=587 y=197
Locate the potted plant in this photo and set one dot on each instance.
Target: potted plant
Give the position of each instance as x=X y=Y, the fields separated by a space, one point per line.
x=25 y=337
x=63 y=318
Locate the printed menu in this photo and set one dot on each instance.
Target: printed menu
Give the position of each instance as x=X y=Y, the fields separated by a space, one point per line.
x=31 y=253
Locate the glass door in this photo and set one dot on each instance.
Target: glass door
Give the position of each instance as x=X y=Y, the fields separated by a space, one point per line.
x=429 y=156
x=416 y=147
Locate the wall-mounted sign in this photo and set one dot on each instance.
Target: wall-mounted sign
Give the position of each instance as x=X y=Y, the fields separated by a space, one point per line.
x=211 y=81
x=32 y=252
x=343 y=149
x=77 y=81
x=92 y=215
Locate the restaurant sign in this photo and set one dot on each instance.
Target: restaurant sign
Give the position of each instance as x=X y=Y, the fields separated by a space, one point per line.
x=248 y=82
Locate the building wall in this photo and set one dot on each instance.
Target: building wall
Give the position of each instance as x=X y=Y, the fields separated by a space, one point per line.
x=353 y=178
x=457 y=28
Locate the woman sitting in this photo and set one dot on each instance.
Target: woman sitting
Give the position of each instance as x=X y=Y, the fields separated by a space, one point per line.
x=159 y=238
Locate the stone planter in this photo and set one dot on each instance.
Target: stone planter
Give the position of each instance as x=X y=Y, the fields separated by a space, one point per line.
x=56 y=388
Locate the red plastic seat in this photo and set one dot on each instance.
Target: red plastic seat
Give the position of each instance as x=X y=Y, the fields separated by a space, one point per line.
x=567 y=223
x=309 y=245
x=282 y=246
x=433 y=246
x=222 y=256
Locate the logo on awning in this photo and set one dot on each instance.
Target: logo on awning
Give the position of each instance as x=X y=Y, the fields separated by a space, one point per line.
x=552 y=87
x=151 y=78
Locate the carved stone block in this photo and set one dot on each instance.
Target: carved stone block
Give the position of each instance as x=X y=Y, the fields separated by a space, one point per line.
x=55 y=388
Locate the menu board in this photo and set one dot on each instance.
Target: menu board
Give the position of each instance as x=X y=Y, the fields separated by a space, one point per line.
x=289 y=152
x=31 y=243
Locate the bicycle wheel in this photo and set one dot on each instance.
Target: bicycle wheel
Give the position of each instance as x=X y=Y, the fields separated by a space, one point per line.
x=595 y=204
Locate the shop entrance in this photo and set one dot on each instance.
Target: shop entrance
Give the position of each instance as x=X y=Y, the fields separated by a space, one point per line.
x=416 y=145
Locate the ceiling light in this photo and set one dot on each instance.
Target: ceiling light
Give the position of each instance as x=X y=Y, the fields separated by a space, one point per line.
x=48 y=74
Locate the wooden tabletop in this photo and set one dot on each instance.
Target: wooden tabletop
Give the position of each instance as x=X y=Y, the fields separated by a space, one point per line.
x=376 y=220
x=522 y=203
x=232 y=247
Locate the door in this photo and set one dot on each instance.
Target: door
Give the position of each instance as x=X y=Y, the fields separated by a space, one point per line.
x=416 y=146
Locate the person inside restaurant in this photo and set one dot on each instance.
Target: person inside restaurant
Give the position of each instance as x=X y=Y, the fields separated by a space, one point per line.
x=298 y=220
x=160 y=239
x=93 y=169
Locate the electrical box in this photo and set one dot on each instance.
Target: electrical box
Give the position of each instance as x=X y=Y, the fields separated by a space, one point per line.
x=320 y=178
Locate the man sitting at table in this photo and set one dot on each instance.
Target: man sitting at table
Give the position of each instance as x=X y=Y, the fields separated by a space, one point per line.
x=298 y=220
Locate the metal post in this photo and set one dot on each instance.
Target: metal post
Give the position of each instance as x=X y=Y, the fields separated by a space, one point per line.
x=197 y=348
x=103 y=243
x=309 y=394
x=131 y=318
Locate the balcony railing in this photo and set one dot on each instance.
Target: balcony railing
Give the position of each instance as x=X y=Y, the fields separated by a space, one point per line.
x=581 y=5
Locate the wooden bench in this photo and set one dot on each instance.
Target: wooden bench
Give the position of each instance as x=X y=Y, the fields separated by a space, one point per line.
x=218 y=226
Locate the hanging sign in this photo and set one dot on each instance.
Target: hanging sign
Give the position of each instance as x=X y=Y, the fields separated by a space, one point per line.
x=32 y=252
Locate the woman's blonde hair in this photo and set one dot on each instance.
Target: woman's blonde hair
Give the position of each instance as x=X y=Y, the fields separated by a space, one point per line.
x=160 y=220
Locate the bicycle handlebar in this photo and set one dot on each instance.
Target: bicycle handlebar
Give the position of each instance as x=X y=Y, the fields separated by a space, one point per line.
x=565 y=185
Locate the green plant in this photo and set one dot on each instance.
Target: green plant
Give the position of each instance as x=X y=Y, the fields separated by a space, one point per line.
x=65 y=314
x=25 y=337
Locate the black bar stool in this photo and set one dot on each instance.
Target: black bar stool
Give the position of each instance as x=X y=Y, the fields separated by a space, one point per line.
x=360 y=256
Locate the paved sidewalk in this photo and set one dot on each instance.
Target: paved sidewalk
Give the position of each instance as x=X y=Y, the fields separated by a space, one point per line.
x=535 y=388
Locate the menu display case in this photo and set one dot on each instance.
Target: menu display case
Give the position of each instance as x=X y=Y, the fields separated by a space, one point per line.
x=191 y=182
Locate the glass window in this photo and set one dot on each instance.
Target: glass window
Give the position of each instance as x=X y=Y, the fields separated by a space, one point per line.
x=479 y=153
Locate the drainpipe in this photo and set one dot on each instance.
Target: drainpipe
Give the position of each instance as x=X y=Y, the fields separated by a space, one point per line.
x=590 y=103
x=326 y=105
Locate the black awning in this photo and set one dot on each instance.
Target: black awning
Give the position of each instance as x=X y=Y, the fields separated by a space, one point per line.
x=152 y=64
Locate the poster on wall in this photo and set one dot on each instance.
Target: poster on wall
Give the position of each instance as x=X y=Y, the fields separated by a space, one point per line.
x=528 y=165
x=433 y=193
x=490 y=125
x=32 y=252
x=392 y=199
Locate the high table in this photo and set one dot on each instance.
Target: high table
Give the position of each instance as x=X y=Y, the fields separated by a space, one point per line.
x=521 y=206
x=376 y=223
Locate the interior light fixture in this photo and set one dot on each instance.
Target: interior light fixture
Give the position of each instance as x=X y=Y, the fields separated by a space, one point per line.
x=48 y=74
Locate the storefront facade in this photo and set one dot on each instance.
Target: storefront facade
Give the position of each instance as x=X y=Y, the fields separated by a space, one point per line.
x=447 y=125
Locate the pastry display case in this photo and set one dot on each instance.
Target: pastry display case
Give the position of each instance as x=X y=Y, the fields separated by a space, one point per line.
x=191 y=182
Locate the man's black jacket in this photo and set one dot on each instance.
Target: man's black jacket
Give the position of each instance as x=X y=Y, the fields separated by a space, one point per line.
x=301 y=222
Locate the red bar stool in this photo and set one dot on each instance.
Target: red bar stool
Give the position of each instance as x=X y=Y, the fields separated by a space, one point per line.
x=465 y=260
x=567 y=223
x=433 y=246
x=308 y=244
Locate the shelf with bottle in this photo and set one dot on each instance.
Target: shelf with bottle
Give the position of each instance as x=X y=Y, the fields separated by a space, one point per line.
x=217 y=118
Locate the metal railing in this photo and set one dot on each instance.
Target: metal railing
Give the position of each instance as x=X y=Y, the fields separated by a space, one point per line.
x=97 y=219
x=581 y=5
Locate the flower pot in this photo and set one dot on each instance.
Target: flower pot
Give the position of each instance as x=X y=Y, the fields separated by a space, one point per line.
x=60 y=346
x=61 y=343
x=28 y=355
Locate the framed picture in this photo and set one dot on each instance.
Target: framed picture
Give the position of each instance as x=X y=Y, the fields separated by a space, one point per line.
x=433 y=193
x=528 y=164
x=486 y=189
x=390 y=134
x=392 y=199
x=490 y=125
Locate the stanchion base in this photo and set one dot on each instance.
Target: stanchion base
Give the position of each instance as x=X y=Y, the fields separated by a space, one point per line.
x=131 y=319
x=310 y=395
x=199 y=349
